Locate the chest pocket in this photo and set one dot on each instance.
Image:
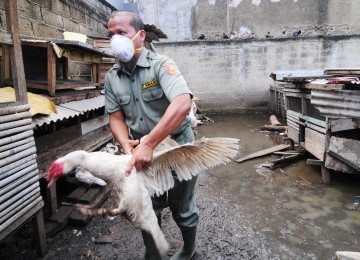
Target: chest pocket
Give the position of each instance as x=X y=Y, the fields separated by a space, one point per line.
x=152 y=93
x=123 y=99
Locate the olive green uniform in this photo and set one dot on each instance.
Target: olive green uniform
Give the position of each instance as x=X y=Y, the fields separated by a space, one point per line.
x=144 y=96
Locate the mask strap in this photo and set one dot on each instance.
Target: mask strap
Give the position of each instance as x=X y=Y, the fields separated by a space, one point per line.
x=136 y=35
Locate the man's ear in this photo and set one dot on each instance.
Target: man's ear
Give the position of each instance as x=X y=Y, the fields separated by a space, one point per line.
x=142 y=35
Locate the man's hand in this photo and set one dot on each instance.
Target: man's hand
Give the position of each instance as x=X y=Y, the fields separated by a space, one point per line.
x=142 y=158
x=129 y=146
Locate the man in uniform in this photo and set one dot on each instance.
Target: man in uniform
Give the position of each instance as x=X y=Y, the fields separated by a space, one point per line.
x=146 y=95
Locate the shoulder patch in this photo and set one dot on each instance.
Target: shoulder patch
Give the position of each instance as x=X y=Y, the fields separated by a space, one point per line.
x=171 y=67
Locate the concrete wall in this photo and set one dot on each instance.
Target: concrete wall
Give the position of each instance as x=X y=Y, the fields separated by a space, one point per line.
x=184 y=20
x=233 y=75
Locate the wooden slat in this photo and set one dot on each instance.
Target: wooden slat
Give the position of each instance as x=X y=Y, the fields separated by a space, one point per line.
x=17 y=169
x=17 y=156
x=14 y=109
x=17 y=149
x=18 y=163
x=24 y=210
x=263 y=152
x=15 y=138
x=16 y=144
x=14 y=124
x=17 y=175
x=17 y=64
x=18 y=185
x=26 y=213
x=7 y=203
x=15 y=130
x=342 y=124
x=14 y=117
x=315 y=143
x=315 y=127
x=324 y=86
x=25 y=199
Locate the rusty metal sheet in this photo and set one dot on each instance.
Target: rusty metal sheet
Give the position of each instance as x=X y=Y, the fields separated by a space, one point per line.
x=337 y=103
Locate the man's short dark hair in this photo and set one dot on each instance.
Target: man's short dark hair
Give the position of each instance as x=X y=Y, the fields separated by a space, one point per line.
x=135 y=20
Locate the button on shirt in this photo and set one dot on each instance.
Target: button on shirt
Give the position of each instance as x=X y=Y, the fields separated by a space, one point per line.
x=144 y=95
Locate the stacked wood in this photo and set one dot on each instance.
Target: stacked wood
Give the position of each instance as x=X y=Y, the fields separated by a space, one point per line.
x=19 y=187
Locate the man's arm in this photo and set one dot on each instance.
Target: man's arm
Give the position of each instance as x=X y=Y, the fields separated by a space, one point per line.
x=173 y=117
x=120 y=131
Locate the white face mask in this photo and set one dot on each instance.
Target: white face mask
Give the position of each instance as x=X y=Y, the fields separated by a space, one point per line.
x=123 y=47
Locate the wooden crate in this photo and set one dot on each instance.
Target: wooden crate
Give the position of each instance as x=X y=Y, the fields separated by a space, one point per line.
x=315 y=143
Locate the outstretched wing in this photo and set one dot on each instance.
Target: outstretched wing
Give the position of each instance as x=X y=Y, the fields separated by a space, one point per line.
x=187 y=161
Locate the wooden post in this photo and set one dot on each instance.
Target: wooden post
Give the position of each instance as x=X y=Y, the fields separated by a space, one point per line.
x=5 y=63
x=40 y=235
x=51 y=70
x=325 y=172
x=17 y=63
x=51 y=199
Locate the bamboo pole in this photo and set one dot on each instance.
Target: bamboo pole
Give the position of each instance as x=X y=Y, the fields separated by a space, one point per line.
x=18 y=199
x=14 y=138
x=14 y=109
x=16 y=130
x=17 y=186
x=14 y=124
x=20 y=213
x=13 y=117
x=17 y=156
x=17 y=149
x=17 y=175
x=16 y=144
x=17 y=169
x=10 y=167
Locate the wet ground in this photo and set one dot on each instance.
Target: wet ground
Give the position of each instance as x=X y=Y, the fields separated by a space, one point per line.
x=247 y=212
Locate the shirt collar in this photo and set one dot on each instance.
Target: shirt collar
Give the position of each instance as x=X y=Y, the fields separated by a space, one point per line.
x=143 y=61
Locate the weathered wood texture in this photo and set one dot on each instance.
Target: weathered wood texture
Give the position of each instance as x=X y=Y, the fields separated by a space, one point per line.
x=345 y=150
x=263 y=152
x=315 y=143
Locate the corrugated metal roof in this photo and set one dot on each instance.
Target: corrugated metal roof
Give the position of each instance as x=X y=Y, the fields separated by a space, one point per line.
x=337 y=103
x=69 y=110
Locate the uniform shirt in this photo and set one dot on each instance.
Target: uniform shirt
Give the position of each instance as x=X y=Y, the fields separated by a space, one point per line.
x=144 y=95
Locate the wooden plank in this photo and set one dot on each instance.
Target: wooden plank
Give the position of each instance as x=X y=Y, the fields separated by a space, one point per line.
x=89 y=195
x=28 y=212
x=76 y=194
x=14 y=109
x=17 y=64
x=315 y=143
x=40 y=235
x=315 y=127
x=324 y=86
x=333 y=163
x=346 y=150
x=293 y=134
x=314 y=162
x=342 y=124
x=315 y=121
x=51 y=70
x=263 y=152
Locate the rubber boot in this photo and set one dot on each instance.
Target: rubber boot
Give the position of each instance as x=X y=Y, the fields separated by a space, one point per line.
x=151 y=252
x=187 y=250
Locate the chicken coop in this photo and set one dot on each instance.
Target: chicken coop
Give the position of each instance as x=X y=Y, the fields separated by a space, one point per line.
x=20 y=198
x=323 y=115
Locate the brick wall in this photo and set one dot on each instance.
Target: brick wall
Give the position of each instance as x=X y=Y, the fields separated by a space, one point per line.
x=234 y=75
x=50 y=18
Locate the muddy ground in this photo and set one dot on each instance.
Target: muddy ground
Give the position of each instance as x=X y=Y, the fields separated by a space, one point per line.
x=246 y=212
x=222 y=234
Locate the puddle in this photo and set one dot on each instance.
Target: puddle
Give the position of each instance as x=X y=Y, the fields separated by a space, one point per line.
x=290 y=209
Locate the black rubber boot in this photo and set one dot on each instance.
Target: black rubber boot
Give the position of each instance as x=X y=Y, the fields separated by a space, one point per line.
x=151 y=252
x=187 y=250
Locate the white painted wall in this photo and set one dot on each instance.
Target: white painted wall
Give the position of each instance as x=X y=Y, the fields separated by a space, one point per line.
x=234 y=75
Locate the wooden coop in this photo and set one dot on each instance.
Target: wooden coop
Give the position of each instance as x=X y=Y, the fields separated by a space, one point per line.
x=323 y=115
x=20 y=199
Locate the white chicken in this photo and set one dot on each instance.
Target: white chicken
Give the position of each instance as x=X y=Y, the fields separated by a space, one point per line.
x=133 y=193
